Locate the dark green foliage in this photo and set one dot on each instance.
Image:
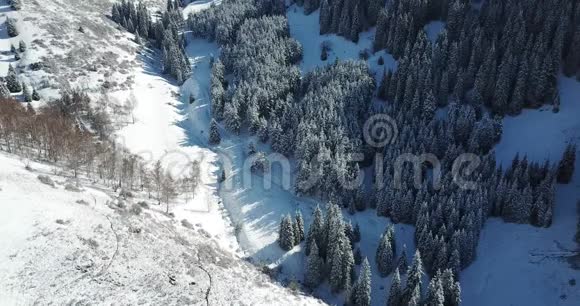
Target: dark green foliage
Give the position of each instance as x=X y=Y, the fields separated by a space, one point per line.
x=566 y=166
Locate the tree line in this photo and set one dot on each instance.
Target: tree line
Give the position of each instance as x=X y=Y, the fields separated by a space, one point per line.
x=164 y=32
x=68 y=132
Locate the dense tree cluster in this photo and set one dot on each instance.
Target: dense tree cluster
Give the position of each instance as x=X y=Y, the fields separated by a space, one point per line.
x=319 y=119
x=291 y=231
x=330 y=252
x=221 y=23
x=165 y=32
x=327 y=125
x=506 y=56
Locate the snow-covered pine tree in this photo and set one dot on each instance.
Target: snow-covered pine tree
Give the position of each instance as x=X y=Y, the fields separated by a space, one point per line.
x=286 y=234
x=451 y=288
x=4 y=91
x=402 y=264
x=314 y=267
x=435 y=294
x=22 y=46
x=396 y=291
x=11 y=27
x=12 y=80
x=299 y=227
x=414 y=279
x=315 y=230
x=385 y=255
x=214 y=133
x=362 y=286
x=26 y=93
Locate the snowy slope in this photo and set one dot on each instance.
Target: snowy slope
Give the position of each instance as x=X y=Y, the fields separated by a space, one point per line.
x=59 y=250
x=95 y=257
x=519 y=263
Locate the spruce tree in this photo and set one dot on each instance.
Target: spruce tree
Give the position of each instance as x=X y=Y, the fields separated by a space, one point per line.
x=299 y=232
x=402 y=264
x=566 y=165
x=12 y=80
x=396 y=291
x=385 y=255
x=22 y=46
x=363 y=285
x=26 y=93
x=435 y=294
x=315 y=230
x=286 y=234
x=35 y=95
x=4 y=92
x=314 y=267
x=214 y=133
x=414 y=279
x=11 y=27
x=357 y=256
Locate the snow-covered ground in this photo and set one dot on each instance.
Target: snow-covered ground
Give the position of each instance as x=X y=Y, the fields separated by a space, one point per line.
x=199 y=5
x=66 y=247
x=521 y=264
x=91 y=253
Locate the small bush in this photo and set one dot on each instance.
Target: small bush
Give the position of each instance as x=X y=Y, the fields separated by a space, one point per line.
x=294 y=286
x=186 y=224
x=82 y=202
x=126 y=194
x=136 y=209
x=45 y=179
x=36 y=66
x=143 y=204
x=72 y=188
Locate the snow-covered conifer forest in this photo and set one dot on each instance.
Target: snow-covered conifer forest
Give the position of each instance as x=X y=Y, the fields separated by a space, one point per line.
x=290 y=152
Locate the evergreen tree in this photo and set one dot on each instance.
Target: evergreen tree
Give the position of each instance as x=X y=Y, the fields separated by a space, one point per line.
x=566 y=165
x=414 y=279
x=385 y=255
x=435 y=294
x=402 y=264
x=214 y=133
x=11 y=27
x=396 y=292
x=4 y=92
x=314 y=267
x=357 y=256
x=12 y=80
x=22 y=46
x=35 y=95
x=286 y=235
x=26 y=93
x=299 y=232
x=362 y=289
x=315 y=230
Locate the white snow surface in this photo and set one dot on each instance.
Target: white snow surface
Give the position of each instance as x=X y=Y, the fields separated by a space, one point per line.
x=58 y=250
x=93 y=256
